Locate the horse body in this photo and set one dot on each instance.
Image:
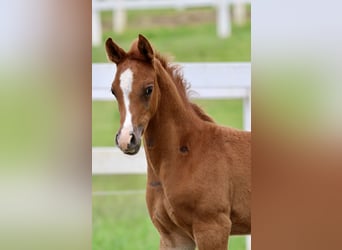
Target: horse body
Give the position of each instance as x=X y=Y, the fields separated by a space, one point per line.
x=198 y=179
x=207 y=188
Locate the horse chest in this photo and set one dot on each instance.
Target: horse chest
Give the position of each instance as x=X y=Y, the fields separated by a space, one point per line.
x=178 y=207
x=170 y=210
x=170 y=166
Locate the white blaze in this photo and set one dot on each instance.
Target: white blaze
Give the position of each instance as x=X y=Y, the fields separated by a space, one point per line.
x=126 y=81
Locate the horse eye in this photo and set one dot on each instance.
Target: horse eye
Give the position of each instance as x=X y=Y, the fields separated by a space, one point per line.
x=148 y=90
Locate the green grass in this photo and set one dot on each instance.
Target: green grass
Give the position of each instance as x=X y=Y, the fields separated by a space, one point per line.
x=106 y=118
x=187 y=44
x=122 y=222
x=196 y=41
x=118 y=182
x=119 y=221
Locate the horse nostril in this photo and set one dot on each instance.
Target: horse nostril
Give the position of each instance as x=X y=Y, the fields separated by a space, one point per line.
x=133 y=140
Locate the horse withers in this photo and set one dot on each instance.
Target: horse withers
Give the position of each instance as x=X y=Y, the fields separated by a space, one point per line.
x=199 y=173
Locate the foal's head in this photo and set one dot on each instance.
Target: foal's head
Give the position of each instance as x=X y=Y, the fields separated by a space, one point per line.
x=135 y=89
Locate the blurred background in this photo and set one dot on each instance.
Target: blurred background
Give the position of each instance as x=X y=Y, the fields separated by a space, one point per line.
x=187 y=31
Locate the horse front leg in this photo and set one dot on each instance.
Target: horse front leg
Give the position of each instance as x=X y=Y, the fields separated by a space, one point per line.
x=176 y=241
x=212 y=233
x=172 y=237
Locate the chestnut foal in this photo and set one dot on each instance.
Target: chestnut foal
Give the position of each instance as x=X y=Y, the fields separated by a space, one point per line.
x=199 y=173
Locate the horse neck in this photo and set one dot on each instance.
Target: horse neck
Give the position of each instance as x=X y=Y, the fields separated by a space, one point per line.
x=174 y=117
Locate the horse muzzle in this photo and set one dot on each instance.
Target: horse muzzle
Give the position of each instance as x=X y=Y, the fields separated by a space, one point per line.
x=129 y=141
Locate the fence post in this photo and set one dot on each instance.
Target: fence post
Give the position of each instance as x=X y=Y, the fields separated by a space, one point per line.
x=119 y=17
x=223 y=24
x=179 y=5
x=239 y=13
x=248 y=242
x=96 y=28
x=247 y=112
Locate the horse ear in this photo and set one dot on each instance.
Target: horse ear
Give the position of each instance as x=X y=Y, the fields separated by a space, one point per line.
x=145 y=48
x=114 y=52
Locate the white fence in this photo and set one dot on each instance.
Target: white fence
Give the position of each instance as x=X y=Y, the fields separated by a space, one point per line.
x=223 y=19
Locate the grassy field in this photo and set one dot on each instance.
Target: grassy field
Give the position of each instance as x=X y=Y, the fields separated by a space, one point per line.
x=121 y=222
x=188 y=41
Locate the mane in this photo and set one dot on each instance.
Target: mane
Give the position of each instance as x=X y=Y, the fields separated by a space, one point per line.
x=183 y=87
